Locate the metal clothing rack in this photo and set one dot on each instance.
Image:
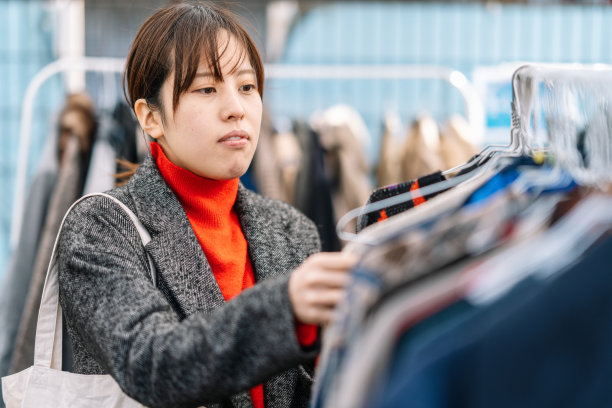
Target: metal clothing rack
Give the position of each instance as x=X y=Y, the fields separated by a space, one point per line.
x=474 y=107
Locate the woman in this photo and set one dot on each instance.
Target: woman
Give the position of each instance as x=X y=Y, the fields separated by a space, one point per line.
x=240 y=288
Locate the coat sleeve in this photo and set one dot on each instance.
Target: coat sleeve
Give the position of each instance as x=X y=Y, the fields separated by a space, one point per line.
x=131 y=330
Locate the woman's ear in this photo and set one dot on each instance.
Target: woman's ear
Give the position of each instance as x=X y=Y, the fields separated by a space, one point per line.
x=149 y=119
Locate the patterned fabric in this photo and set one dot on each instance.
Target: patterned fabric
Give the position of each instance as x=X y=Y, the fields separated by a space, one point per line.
x=394 y=190
x=181 y=344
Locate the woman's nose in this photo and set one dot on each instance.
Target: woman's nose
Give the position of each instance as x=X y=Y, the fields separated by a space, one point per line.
x=233 y=108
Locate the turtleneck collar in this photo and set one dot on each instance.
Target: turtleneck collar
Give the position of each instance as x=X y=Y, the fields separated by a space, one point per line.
x=211 y=199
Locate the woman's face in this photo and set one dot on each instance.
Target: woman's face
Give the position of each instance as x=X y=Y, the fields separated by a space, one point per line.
x=215 y=128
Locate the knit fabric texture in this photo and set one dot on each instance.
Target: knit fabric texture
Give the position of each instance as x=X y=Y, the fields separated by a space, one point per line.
x=396 y=189
x=180 y=344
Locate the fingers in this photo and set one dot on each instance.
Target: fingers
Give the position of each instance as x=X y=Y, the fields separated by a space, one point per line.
x=318 y=285
x=320 y=316
x=340 y=261
x=324 y=298
x=327 y=279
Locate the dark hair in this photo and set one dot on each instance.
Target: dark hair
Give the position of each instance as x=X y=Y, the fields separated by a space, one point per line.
x=174 y=39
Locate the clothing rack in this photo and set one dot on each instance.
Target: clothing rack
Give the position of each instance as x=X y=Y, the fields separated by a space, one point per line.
x=420 y=345
x=474 y=107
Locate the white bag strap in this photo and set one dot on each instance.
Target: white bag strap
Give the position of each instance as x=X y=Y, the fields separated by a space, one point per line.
x=48 y=340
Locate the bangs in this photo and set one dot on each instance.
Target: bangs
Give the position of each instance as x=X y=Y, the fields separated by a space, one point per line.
x=238 y=58
x=198 y=37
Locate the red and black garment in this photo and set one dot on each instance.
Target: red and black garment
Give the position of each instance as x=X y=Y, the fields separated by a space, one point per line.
x=395 y=189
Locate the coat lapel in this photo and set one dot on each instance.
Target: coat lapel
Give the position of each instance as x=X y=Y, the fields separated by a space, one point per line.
x=268 y=244
x=184 y=274
x=251 y=222
x=268 y=249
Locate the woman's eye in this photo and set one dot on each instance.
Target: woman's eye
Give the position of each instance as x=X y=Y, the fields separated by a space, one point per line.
x=207 y=91
x=247 y=88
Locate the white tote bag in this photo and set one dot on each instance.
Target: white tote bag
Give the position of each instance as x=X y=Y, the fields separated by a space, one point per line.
x=44 y=384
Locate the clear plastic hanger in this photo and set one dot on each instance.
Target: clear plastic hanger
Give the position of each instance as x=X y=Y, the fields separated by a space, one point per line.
x=521 y=94
x=576 y=100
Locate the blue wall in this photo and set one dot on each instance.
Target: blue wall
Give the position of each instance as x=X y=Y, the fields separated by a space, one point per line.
x=459 y=36
x=26 y=45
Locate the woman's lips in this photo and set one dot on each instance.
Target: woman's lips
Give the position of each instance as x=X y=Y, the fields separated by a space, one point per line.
x=235 y=138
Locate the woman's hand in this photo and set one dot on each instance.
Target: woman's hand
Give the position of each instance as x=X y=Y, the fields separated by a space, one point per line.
x=318 y=284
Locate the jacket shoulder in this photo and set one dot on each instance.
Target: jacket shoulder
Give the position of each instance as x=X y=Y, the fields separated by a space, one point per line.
x=97 y=216
x=97 y=203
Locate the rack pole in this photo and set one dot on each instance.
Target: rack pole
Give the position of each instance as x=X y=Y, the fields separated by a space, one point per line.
x=474 y=106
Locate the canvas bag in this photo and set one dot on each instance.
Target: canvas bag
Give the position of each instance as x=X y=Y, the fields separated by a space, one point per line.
x=44 y=384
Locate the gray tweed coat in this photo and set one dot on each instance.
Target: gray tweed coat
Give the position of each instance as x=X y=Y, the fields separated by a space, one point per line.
x=181 y=344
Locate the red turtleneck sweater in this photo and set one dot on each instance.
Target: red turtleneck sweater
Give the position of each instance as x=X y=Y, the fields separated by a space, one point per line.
x=209 y=207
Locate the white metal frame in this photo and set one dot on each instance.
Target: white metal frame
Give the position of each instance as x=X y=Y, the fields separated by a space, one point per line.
x=474 y=107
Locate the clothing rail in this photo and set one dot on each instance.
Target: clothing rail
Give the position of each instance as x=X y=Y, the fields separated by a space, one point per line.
x=473 y=104
x=474 y=107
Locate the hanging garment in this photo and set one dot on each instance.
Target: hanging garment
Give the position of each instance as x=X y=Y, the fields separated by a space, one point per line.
x=457 y=190
x=125 y=139
x=393 y=190
x=343 y=136
x=288 y=154
x=455 y=148
x=389 y=160
x=313 y=190
x=410 y=292
x=103 y=164
x=421 y=152
x=418 y=251
x=310 y=164
x=266 y=170
x=428 y=212
x=369 y=217
x=67 y=189
x=543 y=343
